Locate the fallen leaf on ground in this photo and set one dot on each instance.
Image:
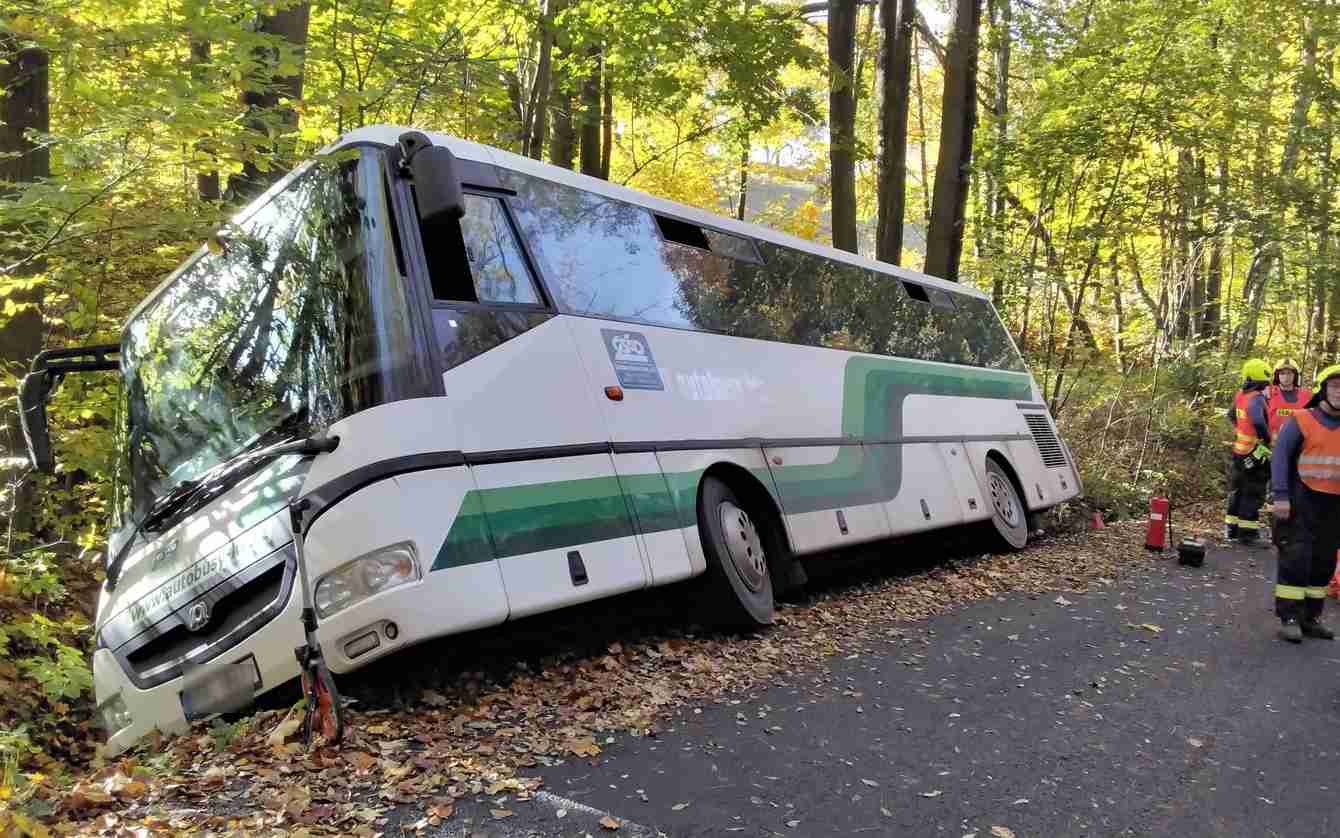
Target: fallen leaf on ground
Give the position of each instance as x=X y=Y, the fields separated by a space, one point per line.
x=1002 y=832
x=609 y=823
x=499 y=814
x=935 y=793
x=679 y=807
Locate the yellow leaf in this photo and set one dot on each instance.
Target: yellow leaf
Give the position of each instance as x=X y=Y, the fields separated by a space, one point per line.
x=499 y=814
x=609 y=823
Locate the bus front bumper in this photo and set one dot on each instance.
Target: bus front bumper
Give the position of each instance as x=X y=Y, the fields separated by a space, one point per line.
x=130 y=713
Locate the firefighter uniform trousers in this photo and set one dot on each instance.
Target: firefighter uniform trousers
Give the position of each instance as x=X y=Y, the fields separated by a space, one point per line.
x=1247 y=482
x=1307 y=562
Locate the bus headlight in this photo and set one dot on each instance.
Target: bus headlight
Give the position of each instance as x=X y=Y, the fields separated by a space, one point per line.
x=113 y=715
x=381 y=570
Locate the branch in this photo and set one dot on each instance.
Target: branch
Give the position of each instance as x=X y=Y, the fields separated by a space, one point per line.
x=701 y=132
x=92 y=199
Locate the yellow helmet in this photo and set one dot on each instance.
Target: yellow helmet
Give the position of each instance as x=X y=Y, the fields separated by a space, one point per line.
x=1326 y=374
x=1255 y=369
x=1288 y=364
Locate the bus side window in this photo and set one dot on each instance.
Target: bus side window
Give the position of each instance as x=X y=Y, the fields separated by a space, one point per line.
x=477 y=259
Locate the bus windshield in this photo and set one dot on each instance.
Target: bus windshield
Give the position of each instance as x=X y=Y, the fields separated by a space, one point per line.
x=292 y=321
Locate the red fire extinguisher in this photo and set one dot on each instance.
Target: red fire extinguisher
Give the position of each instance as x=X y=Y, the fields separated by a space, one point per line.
x=1159 y=513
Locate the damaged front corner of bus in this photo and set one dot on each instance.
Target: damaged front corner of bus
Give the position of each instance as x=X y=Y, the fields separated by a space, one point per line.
x=48 y=368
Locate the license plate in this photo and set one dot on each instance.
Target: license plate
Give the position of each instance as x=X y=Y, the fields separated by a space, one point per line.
x=227 y=688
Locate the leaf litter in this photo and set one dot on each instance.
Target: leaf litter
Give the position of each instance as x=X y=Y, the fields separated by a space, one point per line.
x=473 y=737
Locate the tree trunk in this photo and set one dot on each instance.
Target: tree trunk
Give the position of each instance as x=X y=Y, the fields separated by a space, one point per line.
x=540 y=92
x=261 y=97
x=1001 y=34
x=607 y=128
x=207 y=178
x=743 y=194
x=1266 y=246
x=944 y=240
x=1119 y=313
x=842 y=120
x=921 y=129
x=25 y=106
x=1211 y=323
x=896 y=18
x=590 y=124
x=563 y=146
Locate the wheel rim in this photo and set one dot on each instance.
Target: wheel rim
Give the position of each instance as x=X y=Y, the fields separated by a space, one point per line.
x=1004 y=501
x=743 y=546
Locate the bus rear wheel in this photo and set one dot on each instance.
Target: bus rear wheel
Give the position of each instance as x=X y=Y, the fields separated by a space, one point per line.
x=1008 y=527
x=735 y=542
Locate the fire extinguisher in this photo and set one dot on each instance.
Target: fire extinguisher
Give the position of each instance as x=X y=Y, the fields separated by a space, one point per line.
x=1160 y=514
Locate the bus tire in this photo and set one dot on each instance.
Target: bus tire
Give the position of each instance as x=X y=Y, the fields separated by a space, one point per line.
x=737 y=561
x=1007 y=530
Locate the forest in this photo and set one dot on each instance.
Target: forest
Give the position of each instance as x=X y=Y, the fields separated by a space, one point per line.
x=1145 y=188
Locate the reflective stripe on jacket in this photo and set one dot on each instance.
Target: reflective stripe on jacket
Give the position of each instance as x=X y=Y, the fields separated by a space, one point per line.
x=1247 y=439
x=1319 y=457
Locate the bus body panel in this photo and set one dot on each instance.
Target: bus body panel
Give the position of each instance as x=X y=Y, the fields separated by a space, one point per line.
x=561 y=531
x=827 y=508
x=971 y=493
x=460 y=586
x=655 y=518
x=528 y=392
x=377 y=436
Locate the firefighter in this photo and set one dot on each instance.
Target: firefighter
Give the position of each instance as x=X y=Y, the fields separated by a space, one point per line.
x=1248 y=474
x=1305 y=485
x=1284 y=396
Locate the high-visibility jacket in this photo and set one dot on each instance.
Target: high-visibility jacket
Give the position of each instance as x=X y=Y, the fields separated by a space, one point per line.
x=1247 y=438
x=1319 y=456
x=1279 y=408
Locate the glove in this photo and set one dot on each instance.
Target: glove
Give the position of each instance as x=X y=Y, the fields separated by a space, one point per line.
x=1261 y=452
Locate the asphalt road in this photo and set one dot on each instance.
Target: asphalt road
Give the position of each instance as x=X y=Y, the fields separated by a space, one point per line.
x=1162 y=704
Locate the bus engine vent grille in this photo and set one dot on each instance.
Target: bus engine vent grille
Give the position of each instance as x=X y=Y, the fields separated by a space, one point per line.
x=1053 y=455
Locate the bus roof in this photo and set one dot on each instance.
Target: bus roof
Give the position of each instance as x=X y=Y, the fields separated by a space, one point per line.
x=466 y=150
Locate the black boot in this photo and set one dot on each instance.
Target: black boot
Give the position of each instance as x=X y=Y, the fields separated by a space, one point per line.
x=1291 y=631
x=1315 y=628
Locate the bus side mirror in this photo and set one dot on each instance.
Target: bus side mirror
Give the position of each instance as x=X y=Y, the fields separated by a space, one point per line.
x=33 y=394
x=49 y=367
x=437 y=183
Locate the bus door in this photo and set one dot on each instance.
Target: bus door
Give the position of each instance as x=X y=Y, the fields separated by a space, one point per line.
x=649 y=496
x=518 y=405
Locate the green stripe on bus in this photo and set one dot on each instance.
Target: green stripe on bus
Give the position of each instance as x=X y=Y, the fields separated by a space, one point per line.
x=545 y=516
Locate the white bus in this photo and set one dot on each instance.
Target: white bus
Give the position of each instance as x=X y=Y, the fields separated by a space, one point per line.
x=547 y=389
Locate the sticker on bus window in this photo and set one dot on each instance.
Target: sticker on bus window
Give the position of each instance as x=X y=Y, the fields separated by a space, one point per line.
x=632 y=359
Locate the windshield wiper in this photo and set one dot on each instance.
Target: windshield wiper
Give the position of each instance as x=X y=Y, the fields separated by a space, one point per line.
x=197 y=490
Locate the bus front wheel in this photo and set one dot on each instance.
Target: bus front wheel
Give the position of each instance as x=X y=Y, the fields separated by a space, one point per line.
x=735 y=541
x=1008 y=527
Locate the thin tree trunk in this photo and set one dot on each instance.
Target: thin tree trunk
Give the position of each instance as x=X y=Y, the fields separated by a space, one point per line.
x=1212 y=322
x=743 y=195
x=944 y=241
x=921 y=145
x=590 y=124
x=261 y=99
x=25 y=105
x=206 y=179
x=607 y=127
x=842 y=120
x=540 y=92
x=897 y=18
x=1002 y=114
x=1118 y=313
x=1266 y=246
